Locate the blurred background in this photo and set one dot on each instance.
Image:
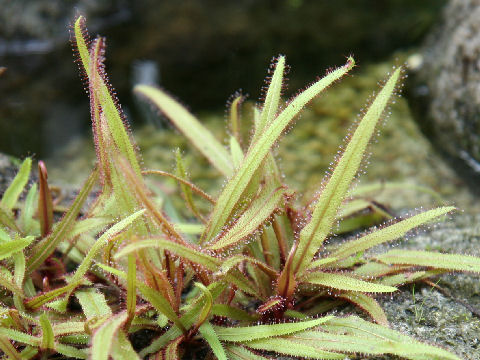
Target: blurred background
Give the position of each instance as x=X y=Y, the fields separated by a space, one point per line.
x=202 y=51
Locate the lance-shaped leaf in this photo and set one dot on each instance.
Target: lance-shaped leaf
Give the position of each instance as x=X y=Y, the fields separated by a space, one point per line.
x=101 y=242
x=388 y=233
x=11 y=195
x=193 y=130
x=326 y=208
x=235 y=352
x=432 y=260
x=255 y=156
x=103 y=338
x=409 y=277
x=106 y=99
x=249 y=333
x=70 y=351
x=345 y=282
x=353 y=334
x=367 y=304
x=208 y=333
x=44 y=248
x=233 y=313
x=20 y=337
x=8 y=248
x=187 y=191
x=259 y=210
x=93 y=304
x=235 y=119
x=28 y=210
x=290 y=345
x=270 y=106
x=122 y=348
x=42 y=299
x=48 y=337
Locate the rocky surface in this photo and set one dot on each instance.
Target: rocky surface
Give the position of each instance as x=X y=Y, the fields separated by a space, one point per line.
x=445 y=90
x=430 y=315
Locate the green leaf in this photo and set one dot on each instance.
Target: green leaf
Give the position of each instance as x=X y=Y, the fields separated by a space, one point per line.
x=289 y=345
x=187 y=191
x=131 y=289
x=102 y=241
x=331 y=197
x=388 y=233
x=408 y=277
x=432 y=259
x=235 y=352
x=47 y=246
x=367 y=304
x=207 y=306
x=11 y=195
x=122 y=348
x=103 y=338
x=21 y=337
x=270 y=106
x=93 y=304
x=102 y=93
x=345 y=282
x=29 y=210
x=352 y=333
x=208 y=333
x=70 y=351
x=232 y=192
x=193 y=130
x=67 y=328
x=233 y=313
x=40 y=300
x=48 y=337
x=249 y=333
x=257 y=213
x=236 y=151
x=7 y=249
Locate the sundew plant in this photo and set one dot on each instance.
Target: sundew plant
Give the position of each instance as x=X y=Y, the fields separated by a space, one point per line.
x=257 y=276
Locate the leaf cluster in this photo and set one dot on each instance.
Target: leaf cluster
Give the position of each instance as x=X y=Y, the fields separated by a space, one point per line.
x=256 y=277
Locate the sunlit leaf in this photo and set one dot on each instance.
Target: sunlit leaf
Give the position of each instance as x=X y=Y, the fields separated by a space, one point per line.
x=11 y=195
x=345 y=282
x=249 y=333
x=193 y=130
x=208 y=333
x=331 y=197
x=388 y=233
x=432 y=259
x=48 y=337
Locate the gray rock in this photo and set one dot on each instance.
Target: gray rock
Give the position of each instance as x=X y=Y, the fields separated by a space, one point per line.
x=445 y=91
x=429 y=315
